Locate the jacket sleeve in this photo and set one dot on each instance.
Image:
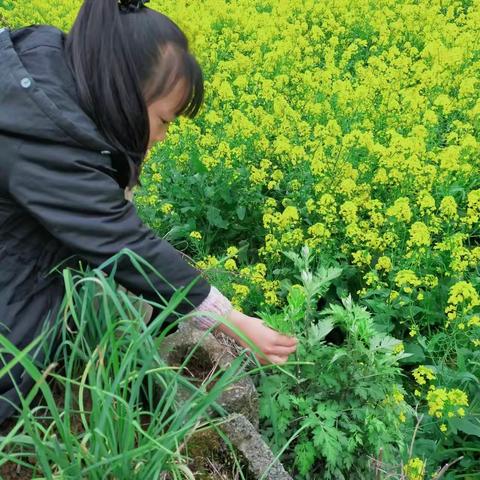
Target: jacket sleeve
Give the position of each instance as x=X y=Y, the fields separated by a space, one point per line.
x=217 y=303
x=73 y=193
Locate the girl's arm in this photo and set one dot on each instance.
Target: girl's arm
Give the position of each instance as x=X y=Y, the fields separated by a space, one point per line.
x=275 y=346
x=73 y=193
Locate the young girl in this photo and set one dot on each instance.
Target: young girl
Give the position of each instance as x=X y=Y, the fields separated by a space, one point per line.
x=78 y=114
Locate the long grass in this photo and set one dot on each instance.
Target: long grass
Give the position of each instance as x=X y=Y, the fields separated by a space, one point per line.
x=119 y=415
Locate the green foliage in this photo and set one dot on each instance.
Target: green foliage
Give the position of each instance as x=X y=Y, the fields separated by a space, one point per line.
x=120 y=416
x=342 y=399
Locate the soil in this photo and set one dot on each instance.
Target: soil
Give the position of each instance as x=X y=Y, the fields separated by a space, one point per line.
x=220 y=465
x=10 y=470
x=216 y=464
x=199 y=369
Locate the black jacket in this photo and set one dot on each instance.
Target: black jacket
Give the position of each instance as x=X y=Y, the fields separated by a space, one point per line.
x=62 y=197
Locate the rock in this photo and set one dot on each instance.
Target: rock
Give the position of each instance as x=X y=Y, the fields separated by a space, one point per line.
x=257 y=454
x=239 y=397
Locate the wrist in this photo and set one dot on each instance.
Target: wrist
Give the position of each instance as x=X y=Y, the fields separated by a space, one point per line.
x=236 y=319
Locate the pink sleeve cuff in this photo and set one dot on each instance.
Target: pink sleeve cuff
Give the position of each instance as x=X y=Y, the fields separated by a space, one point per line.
x=215 y=302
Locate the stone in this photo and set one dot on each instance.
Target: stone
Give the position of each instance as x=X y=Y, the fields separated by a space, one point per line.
x=240 y=400
x=239 y=397
x=249 y=442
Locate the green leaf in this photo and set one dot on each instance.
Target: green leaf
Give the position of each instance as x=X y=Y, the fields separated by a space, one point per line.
x=305 y=456
x=296 y=259
x=188 y=208
x=227 y=195
x=277 y=321
x=197 y=165
x=320 y=330
x=416 y=354
x=215 y=218
x=243 y=251
x=382 y=342
x=327 y=275
x=296 y=298
x=241 y=212
x=466 y=425
x=329 y=440
x=209 y=191
x=179 y=231
x=283 y=400
x=339 y=354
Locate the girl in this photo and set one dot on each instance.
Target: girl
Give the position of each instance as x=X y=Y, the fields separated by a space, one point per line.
x=78 y=114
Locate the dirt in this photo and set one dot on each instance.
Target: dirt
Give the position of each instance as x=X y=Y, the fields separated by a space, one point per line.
x=198 y=370
x=10 y=470
x=211 y=459
x=220 y=465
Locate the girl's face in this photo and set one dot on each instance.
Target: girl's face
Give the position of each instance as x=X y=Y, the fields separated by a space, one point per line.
x=162 y=111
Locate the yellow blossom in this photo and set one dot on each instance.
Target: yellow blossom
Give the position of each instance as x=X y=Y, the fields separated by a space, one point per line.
x=240 y=290
x=419 y=235
x=196 y=235
x=415 y=469
x=413 y=330
x=166 y=208
x=442 y=402
x=448 y=207
x=422 y=374
x=400 y=210
x=407 y=279
x=462 y=296
x=232 y=251
x=230 y=264
x=384 y=263
x=288 y=217
x=399 y=348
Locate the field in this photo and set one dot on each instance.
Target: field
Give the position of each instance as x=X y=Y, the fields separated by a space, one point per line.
x=331 y=186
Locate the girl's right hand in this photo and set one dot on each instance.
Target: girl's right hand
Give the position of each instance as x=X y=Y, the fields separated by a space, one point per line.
x=276 y=346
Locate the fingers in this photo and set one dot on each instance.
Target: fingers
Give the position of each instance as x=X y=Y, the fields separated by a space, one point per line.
x=285 y=341
x=279 y=350
x=282 y=350
x=277 y=359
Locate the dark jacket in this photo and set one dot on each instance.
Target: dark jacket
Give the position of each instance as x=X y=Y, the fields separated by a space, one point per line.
x=62 y=198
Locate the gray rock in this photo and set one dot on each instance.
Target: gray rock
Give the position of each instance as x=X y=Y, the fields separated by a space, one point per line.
x=239 y=397
x=240 y=400
x=258 y=455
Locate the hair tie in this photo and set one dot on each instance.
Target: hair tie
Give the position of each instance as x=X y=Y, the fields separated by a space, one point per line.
x=127 y=6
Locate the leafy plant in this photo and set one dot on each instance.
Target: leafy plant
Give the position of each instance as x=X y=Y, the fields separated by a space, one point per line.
x=345 y=399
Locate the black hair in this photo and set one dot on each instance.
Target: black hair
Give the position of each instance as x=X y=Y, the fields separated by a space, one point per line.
x=122 y=62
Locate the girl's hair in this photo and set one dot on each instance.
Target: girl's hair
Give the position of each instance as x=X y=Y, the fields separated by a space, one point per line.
x=122 y=62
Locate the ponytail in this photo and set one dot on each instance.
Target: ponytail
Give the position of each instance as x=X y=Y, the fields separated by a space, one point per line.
x=122 y=63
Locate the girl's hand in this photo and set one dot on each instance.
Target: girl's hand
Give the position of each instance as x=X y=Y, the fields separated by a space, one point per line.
x=276 y=346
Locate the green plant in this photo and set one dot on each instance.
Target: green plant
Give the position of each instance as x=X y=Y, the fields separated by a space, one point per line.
x=347 y=398
x=118 y=415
